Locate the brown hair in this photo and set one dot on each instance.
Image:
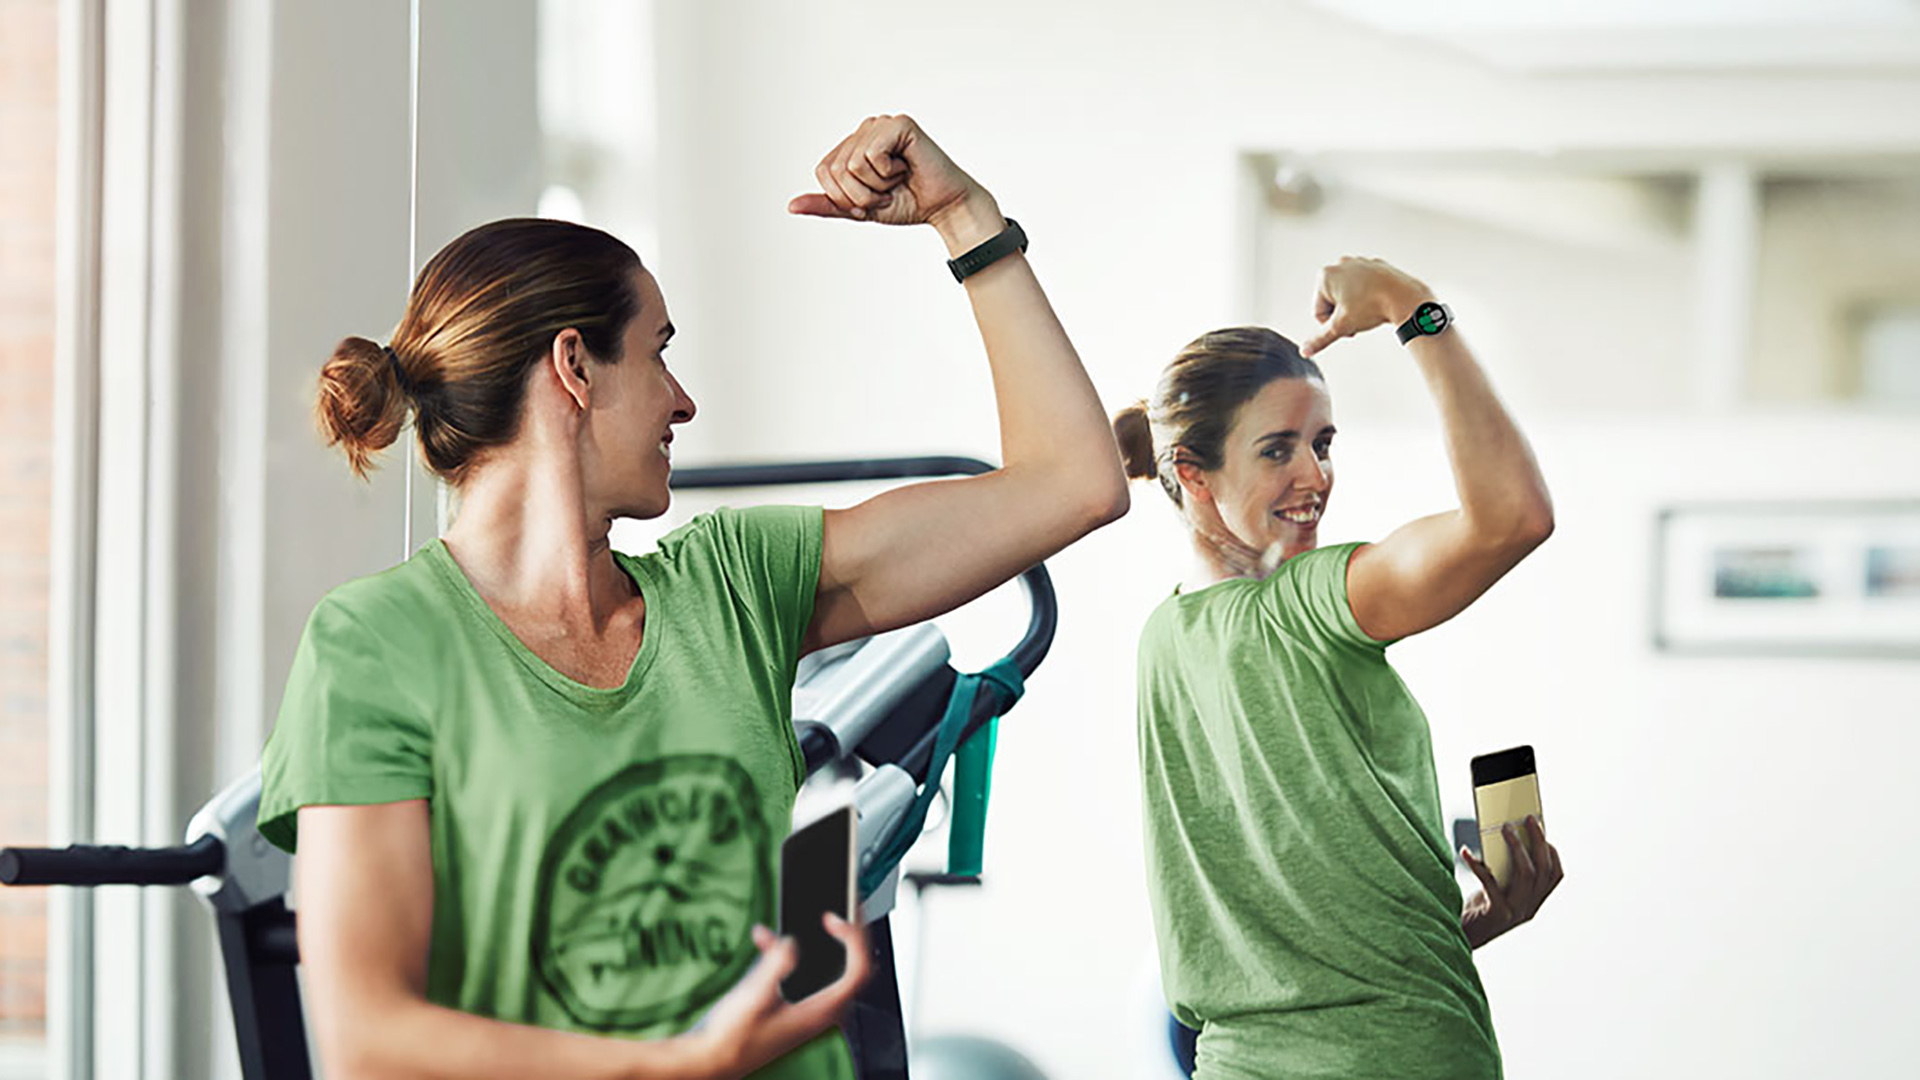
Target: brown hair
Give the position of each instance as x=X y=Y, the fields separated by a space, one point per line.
x=483 y=313
x=1199 y=395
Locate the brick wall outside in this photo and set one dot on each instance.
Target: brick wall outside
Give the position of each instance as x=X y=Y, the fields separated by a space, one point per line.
x=28 y=117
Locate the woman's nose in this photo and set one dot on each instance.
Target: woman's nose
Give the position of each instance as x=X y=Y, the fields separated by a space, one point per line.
x=1312 y=475
x=683 y=407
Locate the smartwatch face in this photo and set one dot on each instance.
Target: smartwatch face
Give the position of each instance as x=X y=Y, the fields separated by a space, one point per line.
x=1431 y=318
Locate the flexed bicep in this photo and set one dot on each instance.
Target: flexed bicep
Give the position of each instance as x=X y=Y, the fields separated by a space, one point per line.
x=1424 y=573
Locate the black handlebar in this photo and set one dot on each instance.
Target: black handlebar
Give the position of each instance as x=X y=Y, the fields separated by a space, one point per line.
x=107 y=864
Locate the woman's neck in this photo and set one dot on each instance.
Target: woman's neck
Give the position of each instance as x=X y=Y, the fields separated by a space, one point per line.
x=1218 y=556
x=528 y=541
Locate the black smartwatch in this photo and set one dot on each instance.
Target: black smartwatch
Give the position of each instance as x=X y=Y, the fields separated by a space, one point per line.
x=1430 y=317
x=1009 y=240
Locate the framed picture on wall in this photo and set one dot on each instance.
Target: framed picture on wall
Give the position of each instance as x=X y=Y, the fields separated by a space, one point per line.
x=1803 y=578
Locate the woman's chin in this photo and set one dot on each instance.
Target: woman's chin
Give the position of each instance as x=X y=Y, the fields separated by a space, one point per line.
x=648 y=505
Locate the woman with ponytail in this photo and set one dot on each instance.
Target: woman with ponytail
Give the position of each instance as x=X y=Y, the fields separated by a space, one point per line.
x=539 y=786
x=1308 y=919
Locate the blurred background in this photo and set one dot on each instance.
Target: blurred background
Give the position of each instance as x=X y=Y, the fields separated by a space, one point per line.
x=1682 y=236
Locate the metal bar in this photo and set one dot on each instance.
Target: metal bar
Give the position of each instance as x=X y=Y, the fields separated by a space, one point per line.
x=827 y=472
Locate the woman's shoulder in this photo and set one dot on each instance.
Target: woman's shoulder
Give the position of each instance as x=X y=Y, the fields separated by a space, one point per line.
x=1311 y=589
x=1319 y=571
x=412 y=592
x=1321 y=559
x=728 y=532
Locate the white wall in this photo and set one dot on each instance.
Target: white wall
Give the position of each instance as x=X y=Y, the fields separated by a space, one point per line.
x=1714 y=921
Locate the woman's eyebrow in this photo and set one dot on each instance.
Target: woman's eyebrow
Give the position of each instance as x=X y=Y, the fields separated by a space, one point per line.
x=1291 y=435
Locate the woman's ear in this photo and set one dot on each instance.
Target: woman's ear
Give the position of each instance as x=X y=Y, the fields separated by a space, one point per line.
x=1193 y=481
x=568 y=358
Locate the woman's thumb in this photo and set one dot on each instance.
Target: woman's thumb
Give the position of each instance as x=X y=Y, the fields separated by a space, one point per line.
x=815 y=205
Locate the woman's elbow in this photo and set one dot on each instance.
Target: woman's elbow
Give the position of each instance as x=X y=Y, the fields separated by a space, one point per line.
x=356 y=1040
x=353 y=1058
x=1535 y=525
x=1103 y=502
x=1118 y=501
x=1513 y=531
x=1067 y=505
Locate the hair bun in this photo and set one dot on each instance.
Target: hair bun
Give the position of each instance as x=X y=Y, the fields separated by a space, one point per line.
x=360 y=407
x=1134 y=434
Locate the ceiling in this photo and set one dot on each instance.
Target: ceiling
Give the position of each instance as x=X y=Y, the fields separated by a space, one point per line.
x=1696 y=36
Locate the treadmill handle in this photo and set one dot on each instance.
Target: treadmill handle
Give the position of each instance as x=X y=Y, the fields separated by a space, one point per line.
x=108 y=864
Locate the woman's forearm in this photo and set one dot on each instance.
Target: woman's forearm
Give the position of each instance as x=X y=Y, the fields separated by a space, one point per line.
x=1503 y=497
x=411 y=1039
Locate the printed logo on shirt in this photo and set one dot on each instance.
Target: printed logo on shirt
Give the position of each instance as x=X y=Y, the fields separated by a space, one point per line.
x=648 y=891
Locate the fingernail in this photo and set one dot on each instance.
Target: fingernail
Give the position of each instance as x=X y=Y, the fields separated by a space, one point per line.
x=858 y=213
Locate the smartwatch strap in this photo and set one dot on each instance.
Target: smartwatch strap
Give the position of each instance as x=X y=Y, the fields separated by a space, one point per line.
x=1009 y=240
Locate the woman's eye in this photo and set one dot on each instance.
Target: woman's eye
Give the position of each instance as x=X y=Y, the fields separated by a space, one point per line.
x=1323 y=448
x=1275 y=453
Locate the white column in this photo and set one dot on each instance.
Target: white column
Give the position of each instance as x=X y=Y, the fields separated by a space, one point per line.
x=1726 y=247
x=71 y=574
x=119 y=731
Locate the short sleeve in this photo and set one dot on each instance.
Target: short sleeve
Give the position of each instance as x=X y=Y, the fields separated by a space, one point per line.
x=1310 y=592
x=771 y=558
x=346 y=734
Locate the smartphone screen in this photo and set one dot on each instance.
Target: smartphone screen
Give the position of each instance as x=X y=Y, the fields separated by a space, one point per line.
x=816 y=875
x=1505 y=789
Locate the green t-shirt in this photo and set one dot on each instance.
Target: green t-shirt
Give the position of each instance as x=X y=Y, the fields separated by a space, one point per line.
x=599 y=854
x=1301 y=881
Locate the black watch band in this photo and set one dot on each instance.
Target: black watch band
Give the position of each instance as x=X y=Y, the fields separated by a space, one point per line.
x=1430 y=317
x=1009 y=240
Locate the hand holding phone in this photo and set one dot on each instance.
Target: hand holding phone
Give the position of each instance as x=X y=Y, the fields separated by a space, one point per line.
x=1517 y=868
x=752 y=1024
x=816 y=877
x=1506 y=791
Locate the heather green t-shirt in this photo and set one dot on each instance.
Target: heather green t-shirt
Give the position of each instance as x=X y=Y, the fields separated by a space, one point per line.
x=1300 y=877
x=599 y=855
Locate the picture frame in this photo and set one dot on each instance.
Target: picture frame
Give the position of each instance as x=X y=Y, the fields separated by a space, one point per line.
x=1807 y=578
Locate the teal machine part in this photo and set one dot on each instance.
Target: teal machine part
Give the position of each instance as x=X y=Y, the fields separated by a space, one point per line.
x=973 y=776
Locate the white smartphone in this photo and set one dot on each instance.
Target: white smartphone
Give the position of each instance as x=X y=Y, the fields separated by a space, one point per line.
x=1506 y=788
x=816 y=876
